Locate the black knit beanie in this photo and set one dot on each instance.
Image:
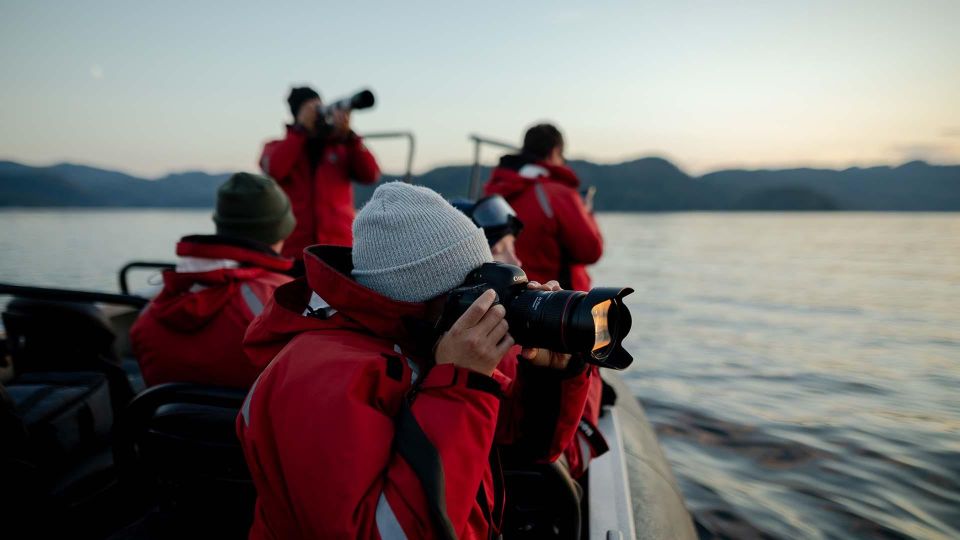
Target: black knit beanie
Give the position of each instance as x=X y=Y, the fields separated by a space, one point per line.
x=298 y=96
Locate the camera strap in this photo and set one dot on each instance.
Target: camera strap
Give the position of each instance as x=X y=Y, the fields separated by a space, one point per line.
x=591 y=434
x=494 y=516
x=316 y=148
x=416 y=449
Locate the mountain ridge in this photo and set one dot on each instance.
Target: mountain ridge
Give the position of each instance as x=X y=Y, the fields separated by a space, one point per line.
x=646 y=184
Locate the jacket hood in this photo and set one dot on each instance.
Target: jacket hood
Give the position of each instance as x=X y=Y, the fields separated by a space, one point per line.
x=189 y=300
x=281 y=320
x=352 y=307
x=517 y=172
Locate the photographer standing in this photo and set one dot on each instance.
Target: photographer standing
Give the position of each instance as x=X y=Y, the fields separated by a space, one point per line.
x=502 y=227
x=561 y=237
x=315 y=164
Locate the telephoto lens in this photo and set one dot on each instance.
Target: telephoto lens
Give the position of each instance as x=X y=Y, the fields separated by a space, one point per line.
x=592 y=324
x=363 y=99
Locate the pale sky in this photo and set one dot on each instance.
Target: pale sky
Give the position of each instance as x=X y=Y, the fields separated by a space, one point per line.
x=155 y=87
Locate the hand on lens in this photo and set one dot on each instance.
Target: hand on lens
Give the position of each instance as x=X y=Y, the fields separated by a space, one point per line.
x=479 y=339
x=543 y=357
x=341 y=123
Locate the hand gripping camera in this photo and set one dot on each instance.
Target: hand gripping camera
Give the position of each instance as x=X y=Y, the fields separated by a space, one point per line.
x=591 y=324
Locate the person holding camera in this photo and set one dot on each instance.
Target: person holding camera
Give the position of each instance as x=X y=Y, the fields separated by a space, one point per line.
x=561 y=235
x=369 y=422
x=315 y=164
x=502 y=227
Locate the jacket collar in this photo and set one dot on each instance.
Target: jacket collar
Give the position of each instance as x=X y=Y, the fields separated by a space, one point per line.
x=328 y=271
x=191 y=298
x=516 y=172
x=245 y=252
x=561 y=174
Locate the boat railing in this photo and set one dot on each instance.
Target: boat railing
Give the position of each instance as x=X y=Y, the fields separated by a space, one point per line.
x=478 y=142
x=139 y=265
x=72 y=295
x=411 y=147
x=611 y=509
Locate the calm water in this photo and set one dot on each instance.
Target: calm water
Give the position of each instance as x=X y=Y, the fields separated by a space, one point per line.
x=802 y=370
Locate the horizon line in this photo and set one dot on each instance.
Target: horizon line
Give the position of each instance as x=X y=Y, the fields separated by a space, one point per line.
x=720 y=168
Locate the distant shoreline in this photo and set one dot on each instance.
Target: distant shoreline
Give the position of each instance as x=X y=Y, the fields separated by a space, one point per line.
x=644 y=185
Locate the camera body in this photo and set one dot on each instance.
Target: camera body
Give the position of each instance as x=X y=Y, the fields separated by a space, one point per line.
x=592 y=324
x=506 y=280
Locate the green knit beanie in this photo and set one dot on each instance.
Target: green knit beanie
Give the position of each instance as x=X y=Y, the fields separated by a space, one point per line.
x=253 y=207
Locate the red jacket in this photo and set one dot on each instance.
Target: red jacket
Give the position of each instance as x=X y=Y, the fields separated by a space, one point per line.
x=559 y=235
x=321 y=195
x=337 y=425
x=193 y=330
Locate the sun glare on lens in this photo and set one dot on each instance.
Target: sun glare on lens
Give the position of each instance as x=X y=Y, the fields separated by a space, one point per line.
x=601 y=337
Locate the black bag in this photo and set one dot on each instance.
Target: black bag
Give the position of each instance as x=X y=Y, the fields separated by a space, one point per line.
x=65 y=414
x=46 y=336
x=54 y=451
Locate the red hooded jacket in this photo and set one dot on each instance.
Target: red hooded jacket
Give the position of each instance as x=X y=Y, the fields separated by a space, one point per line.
x=349 y=434
x=559 y=235
x=319 y=185
x=193 y=330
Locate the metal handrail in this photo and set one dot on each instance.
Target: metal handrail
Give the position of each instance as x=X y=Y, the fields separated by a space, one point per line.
x=411 y=147
x=122 y=275
x=479 y=140
x=72 y=295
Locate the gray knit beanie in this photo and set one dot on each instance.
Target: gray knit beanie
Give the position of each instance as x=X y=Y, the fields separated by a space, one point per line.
x=410 y=245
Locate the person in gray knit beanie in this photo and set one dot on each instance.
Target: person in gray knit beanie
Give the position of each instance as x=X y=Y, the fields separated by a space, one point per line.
x=411 y=245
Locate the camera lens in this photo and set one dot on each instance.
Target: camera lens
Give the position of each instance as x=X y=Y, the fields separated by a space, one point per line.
x=591 y=323
x=540 y=318
x=362 y=100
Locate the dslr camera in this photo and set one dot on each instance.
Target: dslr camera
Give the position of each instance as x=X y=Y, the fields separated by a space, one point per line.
x=591 y=324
